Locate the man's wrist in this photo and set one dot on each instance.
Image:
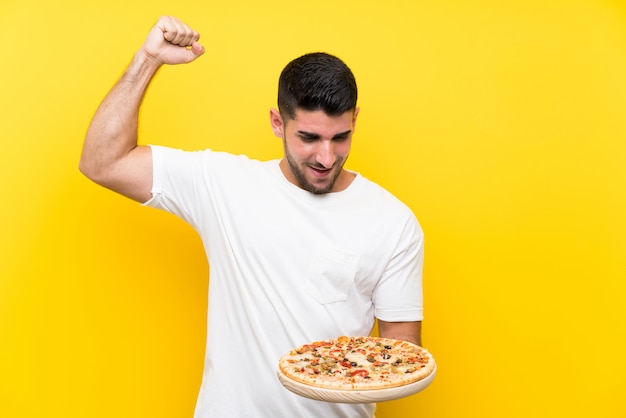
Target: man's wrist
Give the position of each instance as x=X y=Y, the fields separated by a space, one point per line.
x=143 y=66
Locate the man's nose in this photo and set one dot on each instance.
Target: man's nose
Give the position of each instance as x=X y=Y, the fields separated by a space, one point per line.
x=326 y=154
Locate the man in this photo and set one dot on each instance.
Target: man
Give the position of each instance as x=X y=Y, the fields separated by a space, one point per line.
x=300 y=249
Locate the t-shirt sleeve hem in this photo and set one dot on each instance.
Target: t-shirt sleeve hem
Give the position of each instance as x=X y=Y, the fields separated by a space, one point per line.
x=400 y=315
x=153 y=202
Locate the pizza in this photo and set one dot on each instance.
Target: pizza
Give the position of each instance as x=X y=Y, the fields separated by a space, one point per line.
x=357 y=363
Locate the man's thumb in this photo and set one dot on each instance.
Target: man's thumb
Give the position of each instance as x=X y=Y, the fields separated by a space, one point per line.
x=195 y=51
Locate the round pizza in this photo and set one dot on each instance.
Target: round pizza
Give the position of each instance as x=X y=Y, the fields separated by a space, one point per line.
x=357 y=363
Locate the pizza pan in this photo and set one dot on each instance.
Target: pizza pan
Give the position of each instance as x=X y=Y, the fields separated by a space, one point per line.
x=355 y=396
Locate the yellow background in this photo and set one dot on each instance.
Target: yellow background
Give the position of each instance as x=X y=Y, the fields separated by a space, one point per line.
x=501 y=124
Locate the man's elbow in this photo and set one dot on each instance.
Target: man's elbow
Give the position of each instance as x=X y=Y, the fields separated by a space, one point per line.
x=90 y=169
x=86 y=168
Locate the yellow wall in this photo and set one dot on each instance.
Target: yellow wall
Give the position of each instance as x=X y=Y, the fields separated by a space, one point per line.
x=502 y=124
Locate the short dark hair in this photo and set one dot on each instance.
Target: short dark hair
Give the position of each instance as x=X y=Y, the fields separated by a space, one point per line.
x=316 y=81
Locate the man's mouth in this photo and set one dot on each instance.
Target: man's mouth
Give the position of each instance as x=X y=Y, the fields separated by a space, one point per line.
x=319 y=171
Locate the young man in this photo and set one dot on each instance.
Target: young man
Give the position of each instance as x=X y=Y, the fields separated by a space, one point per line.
x=300 y=248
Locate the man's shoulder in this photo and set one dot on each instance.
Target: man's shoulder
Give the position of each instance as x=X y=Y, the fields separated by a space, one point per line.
x=206 y=155
x=382 y=194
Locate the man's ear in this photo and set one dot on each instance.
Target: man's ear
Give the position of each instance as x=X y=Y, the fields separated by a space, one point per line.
x=277 y=123
x=356 y=113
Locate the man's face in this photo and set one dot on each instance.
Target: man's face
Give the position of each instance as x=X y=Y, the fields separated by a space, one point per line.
x=316 y=148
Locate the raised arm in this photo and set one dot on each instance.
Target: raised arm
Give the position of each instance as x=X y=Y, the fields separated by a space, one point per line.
x=111 y=156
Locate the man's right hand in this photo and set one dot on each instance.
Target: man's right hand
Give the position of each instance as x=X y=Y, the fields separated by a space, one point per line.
x=172 y=42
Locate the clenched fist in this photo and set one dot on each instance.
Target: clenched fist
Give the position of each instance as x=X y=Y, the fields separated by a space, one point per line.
x=172 y=42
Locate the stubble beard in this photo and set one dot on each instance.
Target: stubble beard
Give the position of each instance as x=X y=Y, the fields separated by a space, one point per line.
x=304 y=183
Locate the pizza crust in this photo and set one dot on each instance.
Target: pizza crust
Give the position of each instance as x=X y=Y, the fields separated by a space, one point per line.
x=357 y=363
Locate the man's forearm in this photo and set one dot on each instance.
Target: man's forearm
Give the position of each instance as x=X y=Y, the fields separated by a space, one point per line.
x=113 y=130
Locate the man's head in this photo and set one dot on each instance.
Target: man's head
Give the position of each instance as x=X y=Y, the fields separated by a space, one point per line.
x=316 y=81
x=316 y=119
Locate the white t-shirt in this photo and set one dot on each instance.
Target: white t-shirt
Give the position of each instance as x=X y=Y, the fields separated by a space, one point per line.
x=287 y=267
